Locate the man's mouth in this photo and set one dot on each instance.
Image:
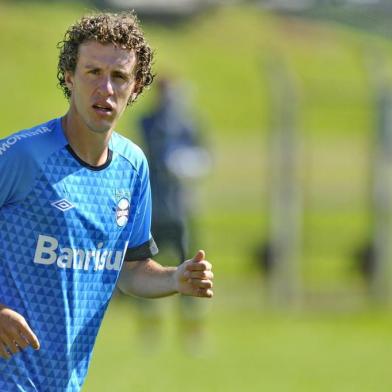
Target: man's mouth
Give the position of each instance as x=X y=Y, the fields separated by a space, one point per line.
x=103 y=108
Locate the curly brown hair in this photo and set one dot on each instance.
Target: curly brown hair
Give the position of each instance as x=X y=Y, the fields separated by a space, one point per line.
x=122 y=29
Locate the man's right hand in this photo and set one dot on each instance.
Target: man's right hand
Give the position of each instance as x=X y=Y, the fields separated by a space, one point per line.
x=15 y=333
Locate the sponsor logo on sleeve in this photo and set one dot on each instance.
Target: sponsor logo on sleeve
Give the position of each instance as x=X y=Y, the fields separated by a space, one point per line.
x=10 y=141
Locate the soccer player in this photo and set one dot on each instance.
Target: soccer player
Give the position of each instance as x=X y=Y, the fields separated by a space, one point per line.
x=75 y=211
x=176 y=157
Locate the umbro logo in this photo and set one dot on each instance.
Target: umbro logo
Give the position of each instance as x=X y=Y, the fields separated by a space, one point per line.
x=63 y=205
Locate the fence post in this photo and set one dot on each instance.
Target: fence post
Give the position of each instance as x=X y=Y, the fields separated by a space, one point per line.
x=285 y=190
x=381 y=276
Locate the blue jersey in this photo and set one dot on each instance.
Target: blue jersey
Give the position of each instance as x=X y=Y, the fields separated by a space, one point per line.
x=65 y=230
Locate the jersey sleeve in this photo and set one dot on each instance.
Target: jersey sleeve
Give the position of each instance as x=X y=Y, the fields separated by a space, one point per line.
x=16 y=173
x=142 y=245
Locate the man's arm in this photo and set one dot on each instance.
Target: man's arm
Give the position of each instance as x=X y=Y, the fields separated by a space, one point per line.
x=147 y=278
x=15 y=332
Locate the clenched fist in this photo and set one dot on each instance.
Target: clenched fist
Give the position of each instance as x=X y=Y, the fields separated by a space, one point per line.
x=194 y=276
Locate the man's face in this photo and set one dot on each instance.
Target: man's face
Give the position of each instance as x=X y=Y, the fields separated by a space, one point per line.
x=101 y=85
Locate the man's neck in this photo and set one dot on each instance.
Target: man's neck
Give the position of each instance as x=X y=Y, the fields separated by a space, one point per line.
x=89 y=146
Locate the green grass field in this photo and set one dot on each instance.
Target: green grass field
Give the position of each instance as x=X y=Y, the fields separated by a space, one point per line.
x=248 y=350
x=335 y=342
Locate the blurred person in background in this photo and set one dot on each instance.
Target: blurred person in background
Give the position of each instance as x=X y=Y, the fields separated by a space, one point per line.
x=177 y=159
x=75 y=214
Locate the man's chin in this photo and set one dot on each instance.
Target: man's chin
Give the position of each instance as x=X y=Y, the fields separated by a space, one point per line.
x=102 y=127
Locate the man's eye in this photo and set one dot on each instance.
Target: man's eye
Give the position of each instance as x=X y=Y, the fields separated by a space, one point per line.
x=94 y=71
x=120 y=76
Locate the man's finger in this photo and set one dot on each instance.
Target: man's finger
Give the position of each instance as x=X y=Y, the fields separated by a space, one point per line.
x=199 y=256
x=205 y=284
x=206 y=293
x=29 y=335
x=3 y=352
x=203 y=265
x=10 y=344
x=21 y=341
x=209 y=293
x=202 y=274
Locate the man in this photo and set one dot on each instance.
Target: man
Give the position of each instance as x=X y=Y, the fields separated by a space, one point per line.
x=75 y=214
x=176 y=157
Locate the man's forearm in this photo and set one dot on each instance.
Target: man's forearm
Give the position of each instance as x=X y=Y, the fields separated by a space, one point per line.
x=147 y=279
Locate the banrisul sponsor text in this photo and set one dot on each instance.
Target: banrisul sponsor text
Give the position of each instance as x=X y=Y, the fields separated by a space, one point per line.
x=48 y=252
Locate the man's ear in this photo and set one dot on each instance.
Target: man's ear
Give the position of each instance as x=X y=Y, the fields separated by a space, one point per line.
x=135 y=90
x=69 y=79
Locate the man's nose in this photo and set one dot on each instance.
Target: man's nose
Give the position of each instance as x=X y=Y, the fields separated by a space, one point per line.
x=106 y=86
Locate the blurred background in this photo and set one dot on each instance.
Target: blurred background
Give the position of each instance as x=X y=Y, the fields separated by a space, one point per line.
x=292 y=102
